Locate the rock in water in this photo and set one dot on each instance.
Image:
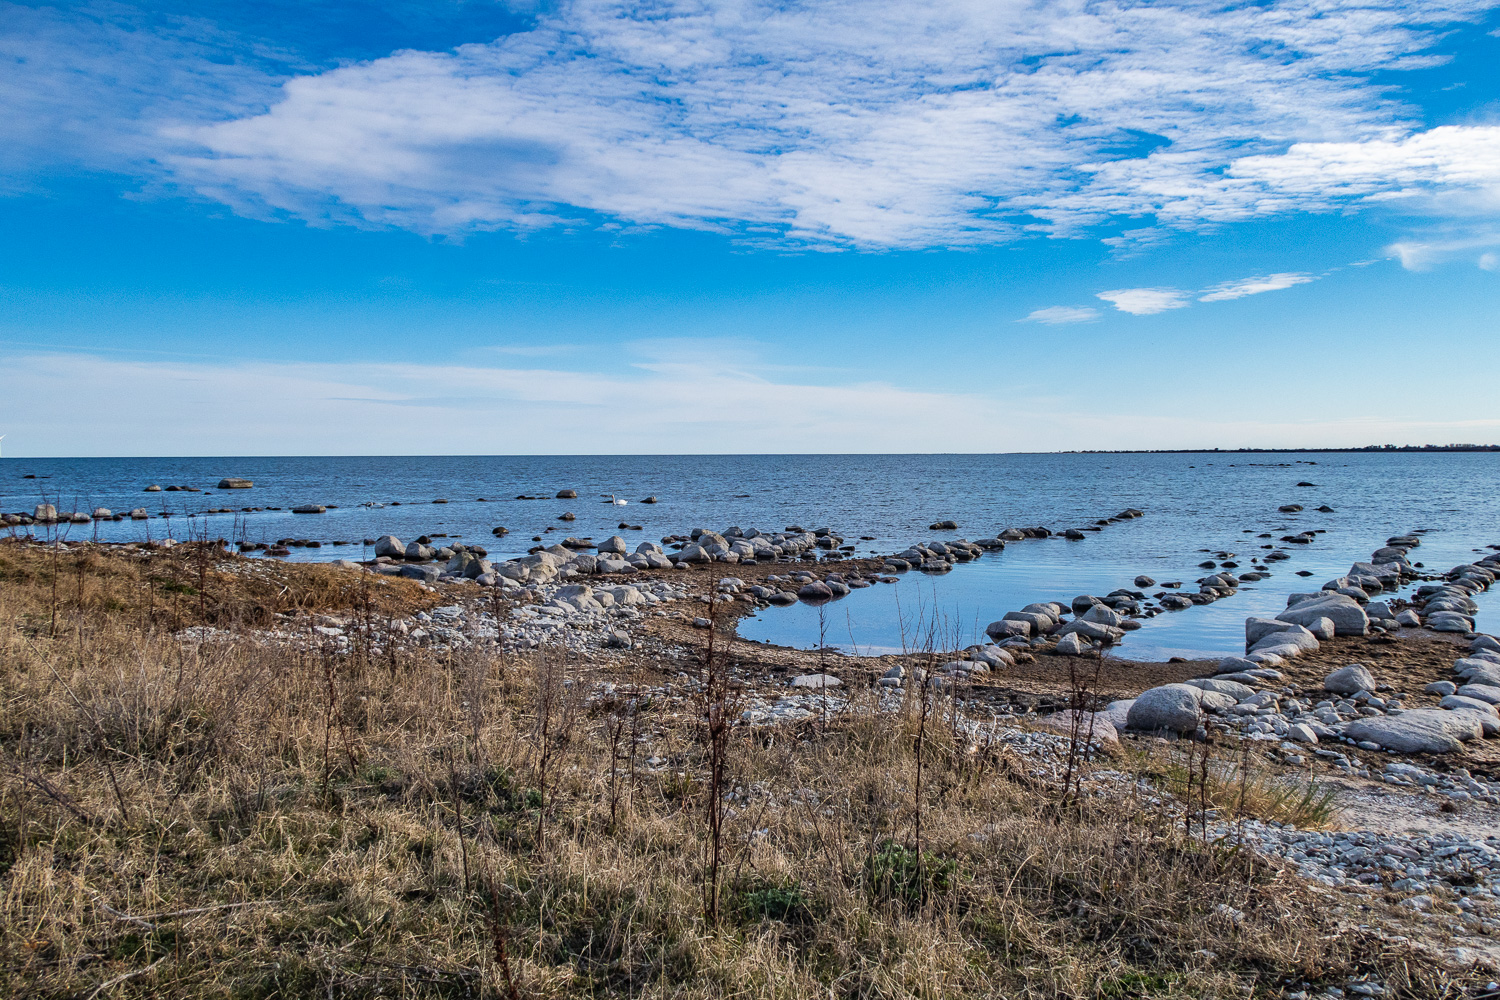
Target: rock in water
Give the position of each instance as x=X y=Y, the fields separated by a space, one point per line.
x=234 y=483
x=1349 y=680
x=1347 y=616
x=815 y=592
x=567 y=494
x=1172 y=706
x=1007 y=628
x=310 y=508
x=389 y=546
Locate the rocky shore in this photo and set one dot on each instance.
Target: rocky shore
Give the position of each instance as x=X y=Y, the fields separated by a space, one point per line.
x=1376 y=699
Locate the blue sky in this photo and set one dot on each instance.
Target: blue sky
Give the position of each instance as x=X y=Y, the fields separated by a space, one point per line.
x=479 y=227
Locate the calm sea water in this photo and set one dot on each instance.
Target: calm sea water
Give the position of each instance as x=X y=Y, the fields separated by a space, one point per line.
x=1210 y=501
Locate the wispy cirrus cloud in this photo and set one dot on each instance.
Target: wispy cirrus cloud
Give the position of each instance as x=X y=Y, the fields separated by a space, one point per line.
x=1146 y=301
x=85 y=404
x=942 y=124
x=1230 y=290
x=1060 y=315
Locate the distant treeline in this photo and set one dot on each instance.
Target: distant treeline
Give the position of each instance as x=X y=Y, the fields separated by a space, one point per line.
x=1284 y=451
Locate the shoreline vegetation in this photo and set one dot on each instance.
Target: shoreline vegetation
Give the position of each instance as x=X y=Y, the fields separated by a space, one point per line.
x=225 y=777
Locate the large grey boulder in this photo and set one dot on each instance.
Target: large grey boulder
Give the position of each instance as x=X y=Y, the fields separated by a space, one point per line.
x=1450 y=621
x=1039 y=622
x=815 y=592
x=1478 y=670
x=1007 y=628
x=1235 y=665
x=390 y=546
x=1323 y=629
x=1295 y=638
x=1421 y=730
x=992 y=655
x=614 y=545
x=1117 y=712
x=1172 y=706
x=235 y=483
x=1101 y=614
x=1484 y=642
x=1471 y=704
x=1489 y=722
x=1239 y=692
x=1093 y=630
x=427 y=574
x=1257 y=629
x=816 y=681
x=417 y=552
x=1487 y=693
x=1349 y=680
x=1345 y=612
x=1216 y=701
x=1093 y=726
x=1072 y=645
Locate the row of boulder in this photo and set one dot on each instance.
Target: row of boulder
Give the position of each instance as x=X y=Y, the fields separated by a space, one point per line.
x=1352 y=710
x=1102 y=621
x=571 y=557
x=1021 y=534
x=46 y=513
x=1449 y=606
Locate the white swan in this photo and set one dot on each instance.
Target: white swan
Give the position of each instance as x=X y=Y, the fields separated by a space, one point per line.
x=617 y=501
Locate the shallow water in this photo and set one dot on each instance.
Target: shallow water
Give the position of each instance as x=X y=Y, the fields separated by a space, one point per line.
x=1192 y=502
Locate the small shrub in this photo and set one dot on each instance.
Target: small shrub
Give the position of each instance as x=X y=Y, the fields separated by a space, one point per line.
x=898 y=873
x=785 y=902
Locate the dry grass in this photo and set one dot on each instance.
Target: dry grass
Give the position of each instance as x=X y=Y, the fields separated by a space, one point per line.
x=237 y=819
x=189 y=584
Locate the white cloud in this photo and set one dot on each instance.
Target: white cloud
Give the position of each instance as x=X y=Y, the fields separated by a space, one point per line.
x=75 y=404
x=666 y=405
x=1145 y=301
x=872 y=125
x=1448 y=242
x=1489 y=261
x=1230 y=290
x=836 y=124
x=1057 y=315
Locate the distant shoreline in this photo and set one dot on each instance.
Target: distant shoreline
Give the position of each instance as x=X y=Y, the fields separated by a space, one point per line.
x=1372 y=449
x=1367 y=449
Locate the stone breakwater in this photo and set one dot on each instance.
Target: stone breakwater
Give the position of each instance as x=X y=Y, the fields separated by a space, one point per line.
x=1353 y=706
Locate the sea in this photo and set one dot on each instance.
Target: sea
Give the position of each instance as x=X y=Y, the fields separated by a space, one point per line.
x=1195 y=504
